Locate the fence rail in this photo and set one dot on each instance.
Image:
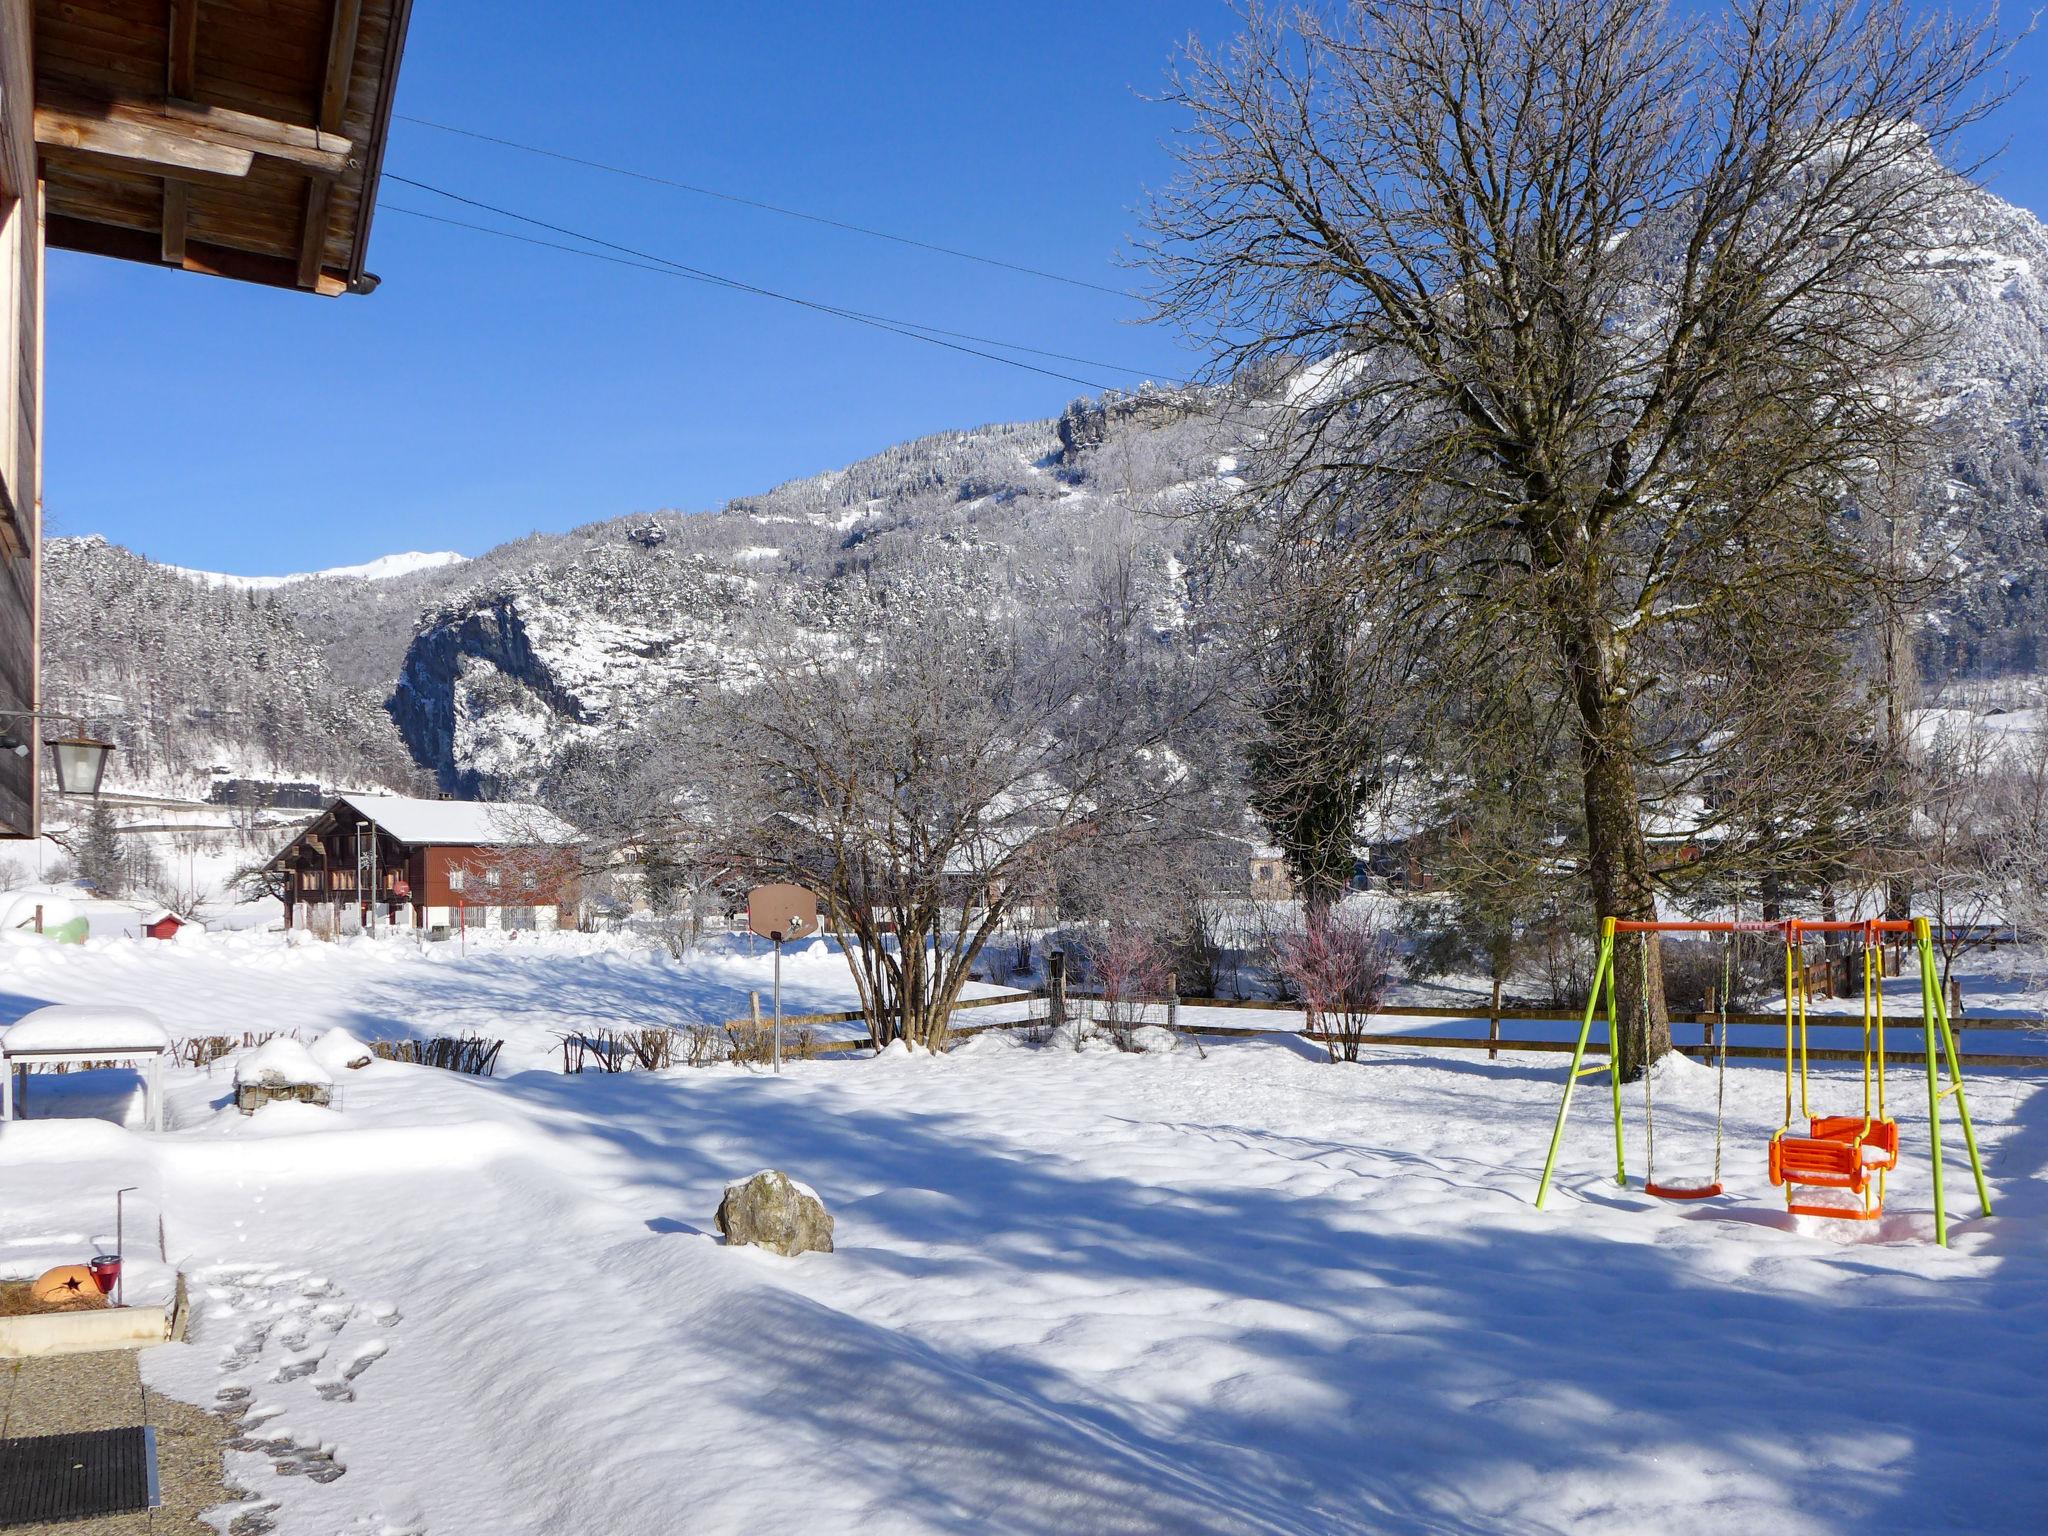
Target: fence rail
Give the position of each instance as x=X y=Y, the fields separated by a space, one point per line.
x=1526 y=1013
x=1520 y=1014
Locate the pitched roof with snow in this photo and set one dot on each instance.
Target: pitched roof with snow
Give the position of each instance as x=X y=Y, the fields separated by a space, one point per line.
x=463 y=823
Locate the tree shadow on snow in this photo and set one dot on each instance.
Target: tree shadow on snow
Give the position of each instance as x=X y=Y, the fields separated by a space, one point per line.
x=1399 y=1373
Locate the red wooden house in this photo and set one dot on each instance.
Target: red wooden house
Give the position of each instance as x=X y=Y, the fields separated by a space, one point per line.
x=391 y=859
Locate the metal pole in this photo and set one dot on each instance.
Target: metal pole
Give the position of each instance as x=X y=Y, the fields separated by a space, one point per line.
x=1955 y=1090
x=1601 y=969
x=778 y=1005
x=1929 y=1017
x=120 y=1244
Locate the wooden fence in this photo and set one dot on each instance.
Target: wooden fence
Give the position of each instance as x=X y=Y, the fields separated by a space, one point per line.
x=1907 y=1024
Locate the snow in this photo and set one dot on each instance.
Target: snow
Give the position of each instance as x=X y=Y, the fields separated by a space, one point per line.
x=337 y=1050
x=83 y=1027
x=462 y=823
x=383 y=568
x=1232 y=1291
x=281 y=1060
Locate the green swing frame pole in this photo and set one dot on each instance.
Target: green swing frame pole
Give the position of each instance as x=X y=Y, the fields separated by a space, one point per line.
x=1927 y=1025
x=1934 y=1019
x=1603 y=977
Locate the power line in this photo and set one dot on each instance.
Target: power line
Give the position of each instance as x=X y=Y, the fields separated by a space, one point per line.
x=670 y=271
x=751 y=202
x=931 y=335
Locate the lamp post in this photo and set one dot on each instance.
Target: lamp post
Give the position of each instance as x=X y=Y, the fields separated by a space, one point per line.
x=80 y=763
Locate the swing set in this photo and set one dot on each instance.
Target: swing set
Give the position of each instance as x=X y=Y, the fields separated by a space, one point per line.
x=1848 y=1154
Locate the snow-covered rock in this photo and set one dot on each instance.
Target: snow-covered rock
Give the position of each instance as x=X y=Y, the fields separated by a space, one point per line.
x=772 y=1210
x=337 y=1051
x=282 y=1062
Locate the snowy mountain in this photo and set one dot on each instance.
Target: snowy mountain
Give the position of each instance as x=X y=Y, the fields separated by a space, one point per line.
x=189 y=676
x=493 y=669
x=383 y=568
x=588 y=634
x=1989 y=530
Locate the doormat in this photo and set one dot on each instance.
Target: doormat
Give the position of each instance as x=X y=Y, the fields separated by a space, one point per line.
x=68 y=1477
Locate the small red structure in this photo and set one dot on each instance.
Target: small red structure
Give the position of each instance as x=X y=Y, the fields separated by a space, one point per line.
x=164 y=925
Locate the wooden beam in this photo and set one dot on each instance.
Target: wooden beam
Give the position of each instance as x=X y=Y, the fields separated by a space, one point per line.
x=313 y=238
x=150 y=148
x=64 y=118
x=182 y=68
x=174 y=223
x=73 y=234
x=341 y=63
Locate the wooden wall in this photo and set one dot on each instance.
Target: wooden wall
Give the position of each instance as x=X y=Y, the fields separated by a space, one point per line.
x=21 y=414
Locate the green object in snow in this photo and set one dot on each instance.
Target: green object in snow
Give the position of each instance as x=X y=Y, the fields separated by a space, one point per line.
x=73 y=932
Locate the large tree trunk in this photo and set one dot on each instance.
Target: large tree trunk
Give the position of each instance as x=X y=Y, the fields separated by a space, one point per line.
x=1618 y=860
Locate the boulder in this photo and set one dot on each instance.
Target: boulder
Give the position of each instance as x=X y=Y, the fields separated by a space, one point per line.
x=771 y=1210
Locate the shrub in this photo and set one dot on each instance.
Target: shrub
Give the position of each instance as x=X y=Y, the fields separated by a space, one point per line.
x=1338 y=968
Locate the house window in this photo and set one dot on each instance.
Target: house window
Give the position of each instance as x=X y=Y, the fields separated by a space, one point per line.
x=490 y=877
x=455 y=879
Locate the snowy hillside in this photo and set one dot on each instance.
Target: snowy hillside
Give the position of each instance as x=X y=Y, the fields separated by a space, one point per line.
x=494 y=668
x=189 y=676
x=1990 y=538
x=383 y=568
x=599 y=628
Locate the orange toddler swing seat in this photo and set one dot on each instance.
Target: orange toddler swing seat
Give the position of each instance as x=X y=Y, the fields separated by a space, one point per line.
x=1838 y=1152
x=1842 y=1152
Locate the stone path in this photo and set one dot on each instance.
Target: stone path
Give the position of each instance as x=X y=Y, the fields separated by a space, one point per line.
x=79 y=1392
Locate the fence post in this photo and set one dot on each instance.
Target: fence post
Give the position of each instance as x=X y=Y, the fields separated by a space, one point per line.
x=1056 y=987
x=1173 y=1000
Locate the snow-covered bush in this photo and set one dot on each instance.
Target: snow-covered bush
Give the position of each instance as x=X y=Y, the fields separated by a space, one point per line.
x=1130 y=970
x=1338 y=968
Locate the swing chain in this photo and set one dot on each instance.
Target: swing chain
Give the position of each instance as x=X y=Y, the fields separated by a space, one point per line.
x=1721 y=1050
x=1643 y=1057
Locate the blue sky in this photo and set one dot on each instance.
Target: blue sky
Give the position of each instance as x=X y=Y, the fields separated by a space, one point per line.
x=489 y=389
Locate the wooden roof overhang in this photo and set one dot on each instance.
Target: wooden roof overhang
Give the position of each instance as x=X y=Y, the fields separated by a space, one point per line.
x=238 y=138
x=326 y=838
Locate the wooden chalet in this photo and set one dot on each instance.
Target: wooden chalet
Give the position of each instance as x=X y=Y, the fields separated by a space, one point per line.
x=232 y=138
x=387 y=860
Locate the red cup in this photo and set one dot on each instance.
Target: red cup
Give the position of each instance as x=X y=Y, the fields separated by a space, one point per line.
x=106 y=1269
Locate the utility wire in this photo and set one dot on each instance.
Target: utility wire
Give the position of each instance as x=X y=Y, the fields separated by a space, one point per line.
x=750 y=202
x=912 y=329
x=669 y=271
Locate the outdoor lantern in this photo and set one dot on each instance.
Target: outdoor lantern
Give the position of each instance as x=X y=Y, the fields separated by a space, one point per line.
x=80 y=761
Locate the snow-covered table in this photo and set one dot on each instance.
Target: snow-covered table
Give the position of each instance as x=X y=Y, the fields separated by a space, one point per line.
x=74 y=1034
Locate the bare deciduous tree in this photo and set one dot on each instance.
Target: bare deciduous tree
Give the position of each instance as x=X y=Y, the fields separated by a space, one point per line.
x=927 y=784
x=1603 y=305
x=2020 y=850
x=1971 y=797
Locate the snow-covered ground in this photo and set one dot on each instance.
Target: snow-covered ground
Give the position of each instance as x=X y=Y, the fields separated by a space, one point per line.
x=1231 y=1291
